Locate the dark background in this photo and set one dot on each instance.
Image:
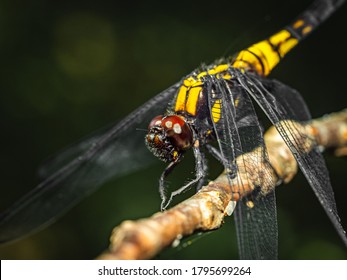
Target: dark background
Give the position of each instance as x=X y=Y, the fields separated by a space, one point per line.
x=68 y=68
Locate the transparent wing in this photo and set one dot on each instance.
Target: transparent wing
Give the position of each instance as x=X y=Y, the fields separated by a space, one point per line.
x=63 y=157
x=257 y=231
x=238 y=132
x=279 y=102
x=115 y=152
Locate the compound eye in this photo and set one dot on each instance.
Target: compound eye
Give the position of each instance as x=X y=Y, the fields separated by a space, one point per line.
x=155 y=121
x=178 y=130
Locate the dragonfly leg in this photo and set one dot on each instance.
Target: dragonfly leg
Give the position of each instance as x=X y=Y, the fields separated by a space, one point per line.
x=200 y=167
x=217 y=155
x=200 y=171
x=164 y=201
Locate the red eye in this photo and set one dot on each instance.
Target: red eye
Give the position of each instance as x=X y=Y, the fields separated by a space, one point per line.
x=174 y=123
x=155 y=121
x=178 y=130
x=168 y=137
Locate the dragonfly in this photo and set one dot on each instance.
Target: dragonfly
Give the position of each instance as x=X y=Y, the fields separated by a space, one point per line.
x=213 y=104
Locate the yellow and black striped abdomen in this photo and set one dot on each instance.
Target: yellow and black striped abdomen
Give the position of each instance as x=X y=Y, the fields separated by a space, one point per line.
x=263 y=56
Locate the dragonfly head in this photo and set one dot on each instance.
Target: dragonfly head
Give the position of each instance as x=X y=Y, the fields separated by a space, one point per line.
x=168 y=137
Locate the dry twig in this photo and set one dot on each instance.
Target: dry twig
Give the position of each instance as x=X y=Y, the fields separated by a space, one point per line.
x=144 y=238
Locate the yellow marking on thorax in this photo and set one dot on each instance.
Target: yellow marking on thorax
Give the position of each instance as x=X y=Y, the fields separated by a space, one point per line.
x=181 y=99
x=192 y=101
x=216 y=110
x=215 y=70
x=188 y=94
x=226 y=76
x=236 y=102
x=266 y=54
x=190 y=81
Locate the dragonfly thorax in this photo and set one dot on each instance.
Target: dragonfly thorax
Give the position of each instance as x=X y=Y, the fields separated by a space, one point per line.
x=168 y=137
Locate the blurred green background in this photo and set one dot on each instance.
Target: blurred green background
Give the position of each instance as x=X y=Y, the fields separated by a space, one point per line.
x=70 y=67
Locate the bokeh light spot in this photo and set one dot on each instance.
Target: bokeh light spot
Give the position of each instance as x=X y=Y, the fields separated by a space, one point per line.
x=85 y=45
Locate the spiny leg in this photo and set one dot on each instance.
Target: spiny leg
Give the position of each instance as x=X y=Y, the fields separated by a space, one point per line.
x=200 y=172
x=218 y=156
x=166 y=172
